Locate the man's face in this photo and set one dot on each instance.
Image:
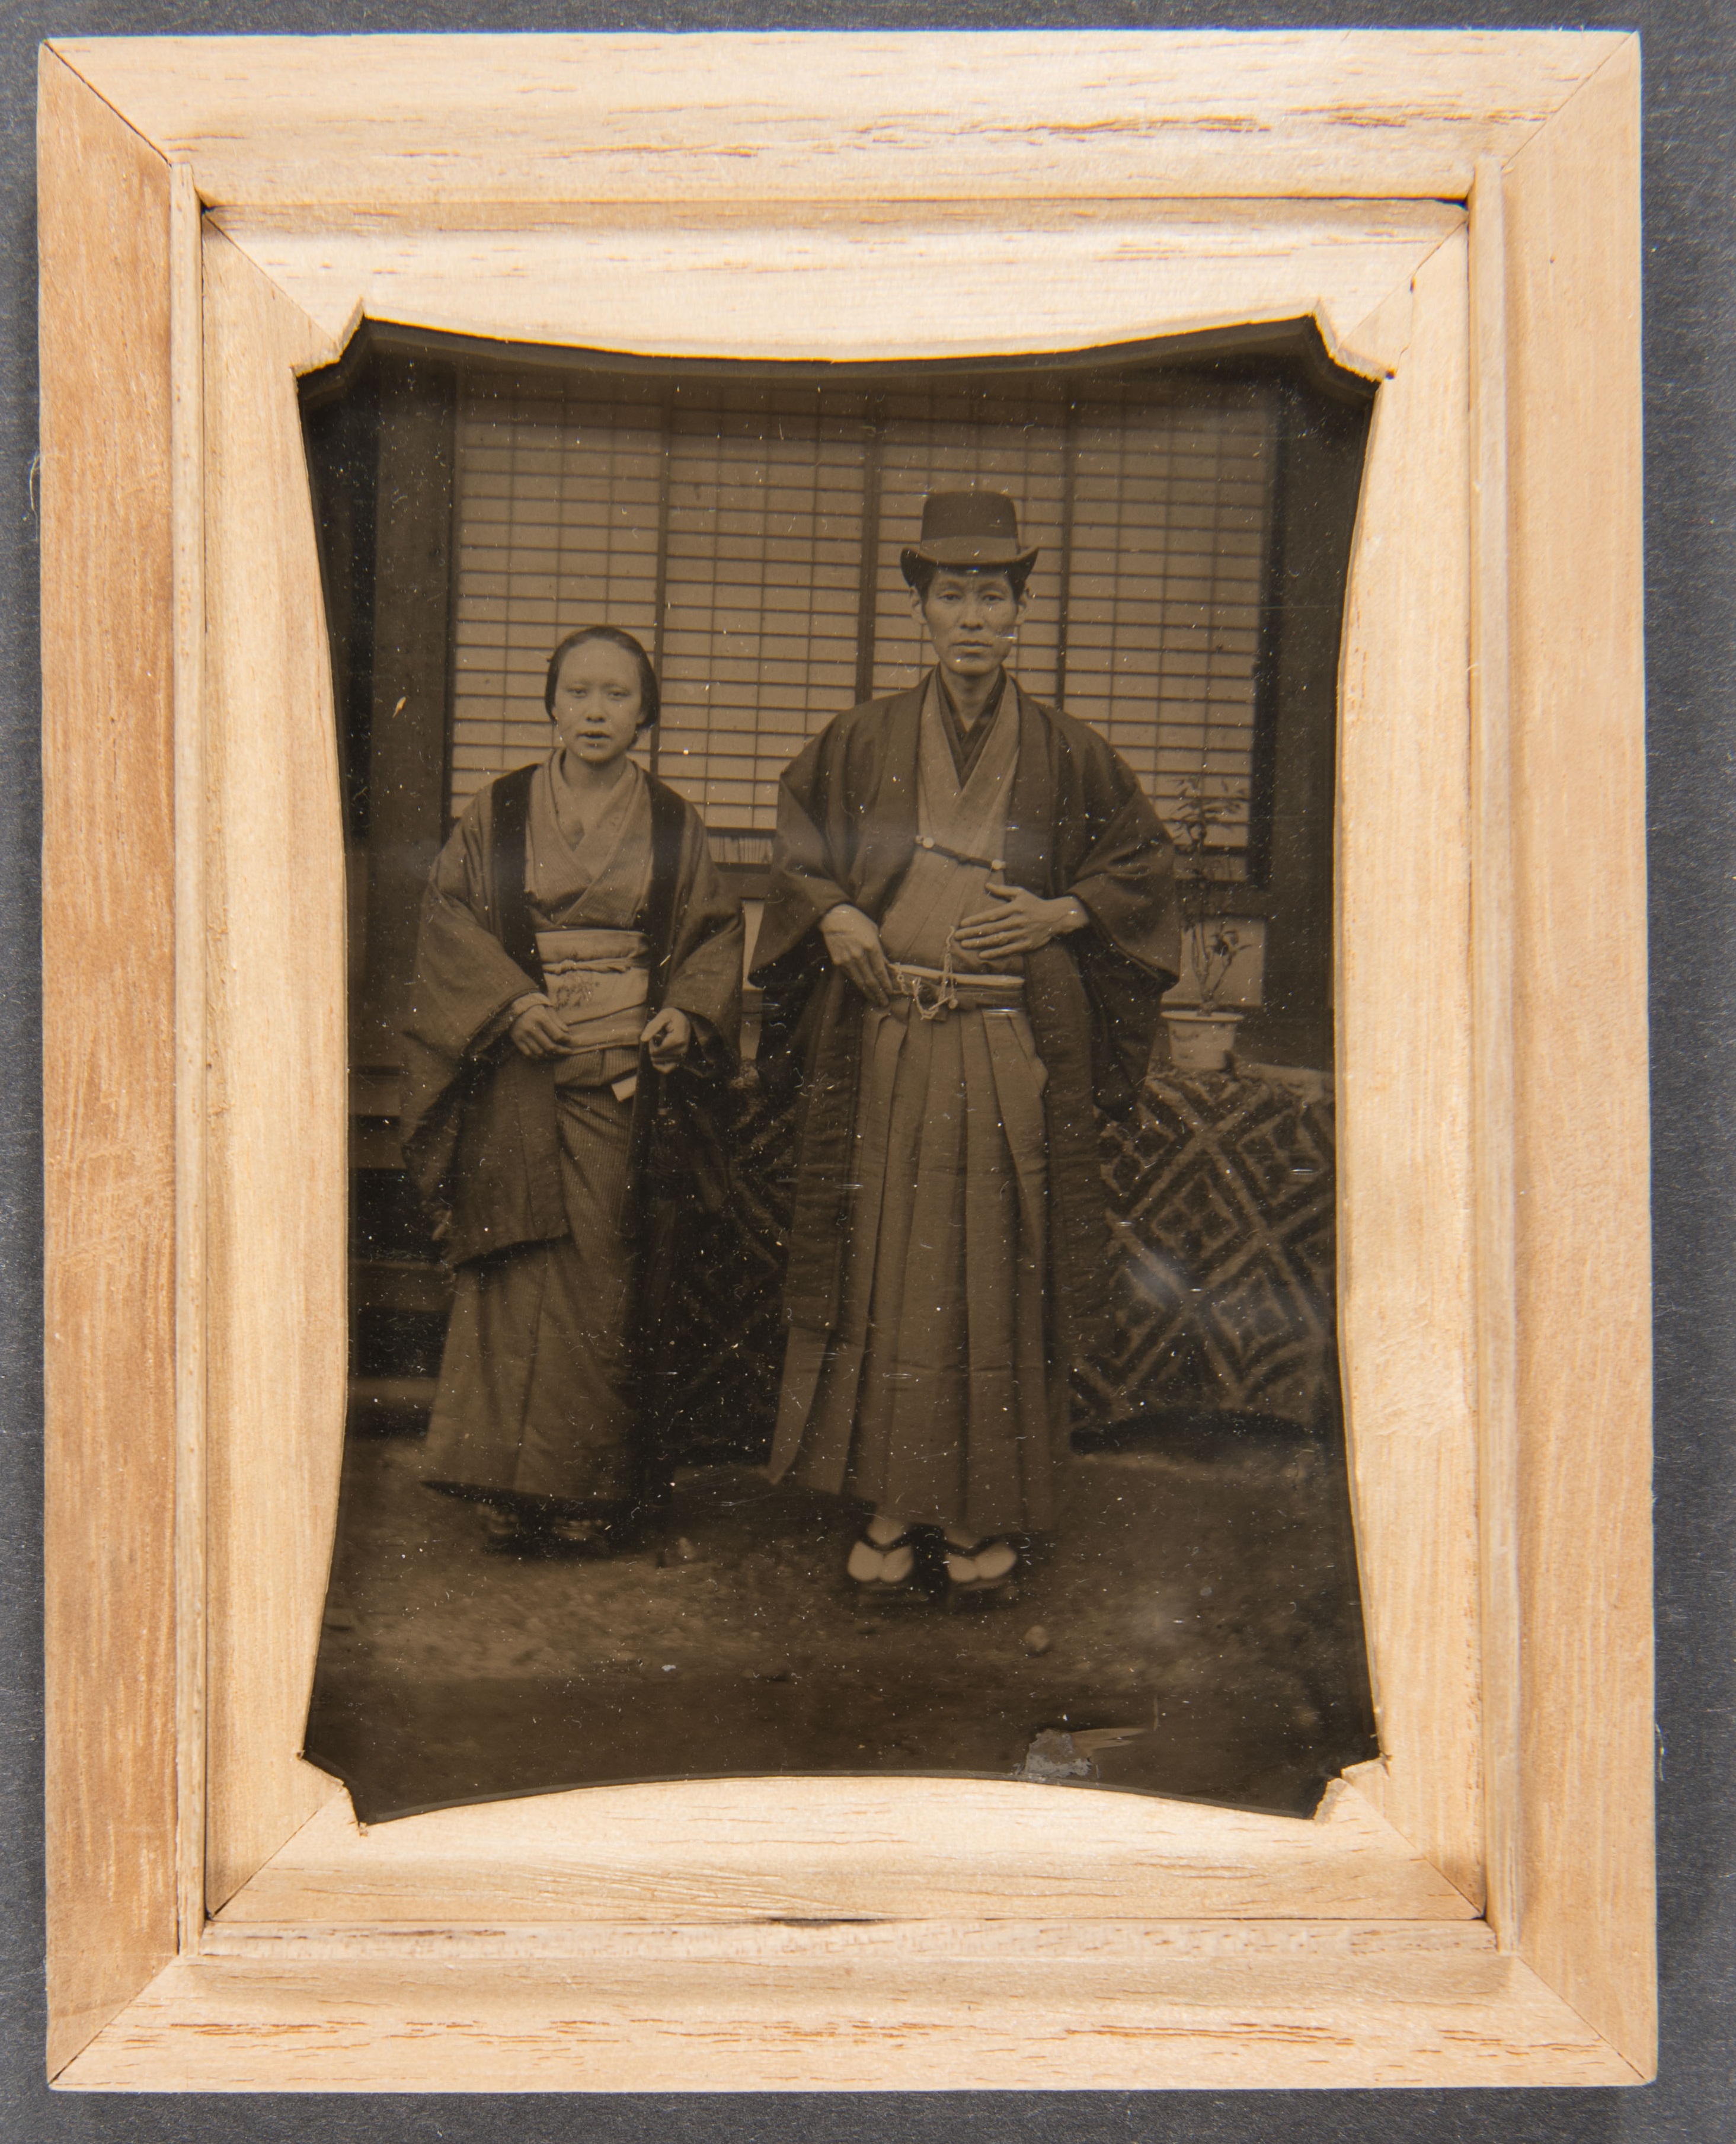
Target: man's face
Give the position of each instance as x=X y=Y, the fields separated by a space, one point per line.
x=972 y=618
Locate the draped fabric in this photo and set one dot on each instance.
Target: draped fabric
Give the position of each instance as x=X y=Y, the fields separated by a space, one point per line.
x=598 y=875
x=1077 y=822
x=538 y=1393
x=967 y=746
x=933 y=1390
x=933 y=1398
x=531 y=1166
x=961 y=826
x=477 y=1120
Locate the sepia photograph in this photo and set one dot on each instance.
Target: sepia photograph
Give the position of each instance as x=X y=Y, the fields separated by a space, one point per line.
x=846 y=1116
x=842 y=1194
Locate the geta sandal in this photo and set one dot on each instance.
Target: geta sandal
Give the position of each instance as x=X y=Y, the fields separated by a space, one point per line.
x=502 y=1530
x=987 y=1566
x=578 y=1537
x=882 y=1570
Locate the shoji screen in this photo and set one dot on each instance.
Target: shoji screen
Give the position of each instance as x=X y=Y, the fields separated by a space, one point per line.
x=558 y=498
x=1171 y=524
x=749 y=533
x=763 y=591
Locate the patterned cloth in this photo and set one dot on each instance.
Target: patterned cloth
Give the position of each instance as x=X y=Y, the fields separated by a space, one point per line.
x=1220 y=1191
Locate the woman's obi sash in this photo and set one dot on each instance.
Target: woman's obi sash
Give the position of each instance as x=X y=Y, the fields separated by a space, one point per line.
x=599 y=981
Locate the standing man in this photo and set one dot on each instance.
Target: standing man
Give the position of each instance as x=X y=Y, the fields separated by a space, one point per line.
x=971 y=921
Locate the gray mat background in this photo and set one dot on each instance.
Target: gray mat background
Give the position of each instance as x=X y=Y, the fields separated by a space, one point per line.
x=1690 y=176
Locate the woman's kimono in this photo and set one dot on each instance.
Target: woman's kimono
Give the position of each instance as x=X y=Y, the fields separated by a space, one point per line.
x=533 y=1167
x=949 y=1245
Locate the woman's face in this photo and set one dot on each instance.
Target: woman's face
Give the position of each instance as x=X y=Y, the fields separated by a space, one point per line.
x=596 y=703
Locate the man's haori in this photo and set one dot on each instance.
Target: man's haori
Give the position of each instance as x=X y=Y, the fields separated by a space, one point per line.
x=948 y=1243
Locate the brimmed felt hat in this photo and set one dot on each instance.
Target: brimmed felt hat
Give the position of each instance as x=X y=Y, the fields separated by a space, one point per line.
x=972 y=529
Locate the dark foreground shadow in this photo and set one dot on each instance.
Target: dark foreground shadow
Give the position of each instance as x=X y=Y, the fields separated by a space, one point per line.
x=1191 y=1629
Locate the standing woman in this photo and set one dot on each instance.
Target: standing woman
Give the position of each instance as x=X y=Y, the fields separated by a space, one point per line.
x=576 y=950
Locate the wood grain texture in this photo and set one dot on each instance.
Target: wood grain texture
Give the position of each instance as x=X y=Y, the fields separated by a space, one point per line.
x=1492 y=1069
x=1290 y=2008
x=1379 y=341
x=108 y=996
x=731 y=1850
x=367 y=121
x=1581 y=1078
x=1060 y=1938
x=1405 y=1071
x=849 y=282
x=186 y=370
x=276 y=1088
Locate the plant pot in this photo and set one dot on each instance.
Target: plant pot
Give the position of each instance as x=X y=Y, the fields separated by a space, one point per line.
x=1201 y=1041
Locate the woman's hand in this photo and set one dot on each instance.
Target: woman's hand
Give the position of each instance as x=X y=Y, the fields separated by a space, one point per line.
x=1020 y=921
x=538 y=1032
x=854 y=945
x=666 y=1036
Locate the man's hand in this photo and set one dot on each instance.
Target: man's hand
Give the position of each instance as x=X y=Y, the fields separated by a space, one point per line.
x=1019 y=921
x=666 y=1036
x=538 y=1032
x=854 y=944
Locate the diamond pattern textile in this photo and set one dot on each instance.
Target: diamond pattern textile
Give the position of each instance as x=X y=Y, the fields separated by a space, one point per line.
x=1220 y=1196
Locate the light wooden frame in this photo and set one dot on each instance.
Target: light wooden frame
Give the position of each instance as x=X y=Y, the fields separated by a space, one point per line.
x=1475 y=1908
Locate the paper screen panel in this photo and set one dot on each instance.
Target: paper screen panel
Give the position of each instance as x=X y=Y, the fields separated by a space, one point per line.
x=726 y=524
x=1171 y=526
x=559 y=503
x=760 y=623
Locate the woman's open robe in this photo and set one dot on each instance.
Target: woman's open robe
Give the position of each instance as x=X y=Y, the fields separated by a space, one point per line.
x=531 y=1166
x=948 y=1244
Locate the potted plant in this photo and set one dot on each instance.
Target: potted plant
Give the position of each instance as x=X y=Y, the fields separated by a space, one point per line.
x=1203 y=1035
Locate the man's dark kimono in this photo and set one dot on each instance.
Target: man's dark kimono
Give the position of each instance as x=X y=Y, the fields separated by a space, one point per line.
x=1076 y=822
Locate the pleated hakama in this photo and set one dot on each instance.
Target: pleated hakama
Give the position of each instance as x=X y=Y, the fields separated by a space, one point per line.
x=935 y=1398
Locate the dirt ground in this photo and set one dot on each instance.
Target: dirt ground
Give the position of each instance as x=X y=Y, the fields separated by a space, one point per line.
x=1190 y=1628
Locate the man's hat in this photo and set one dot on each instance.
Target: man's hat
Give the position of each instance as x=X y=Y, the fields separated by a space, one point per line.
x=976 y=529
